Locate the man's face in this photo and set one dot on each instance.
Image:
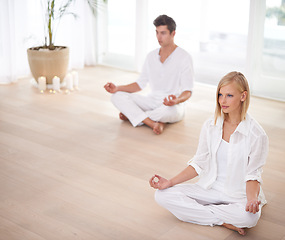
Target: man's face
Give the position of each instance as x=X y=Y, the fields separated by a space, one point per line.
x=164 y=36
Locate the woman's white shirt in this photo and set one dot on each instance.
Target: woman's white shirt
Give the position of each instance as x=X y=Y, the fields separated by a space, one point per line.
x=222 y=164
x=247 y=153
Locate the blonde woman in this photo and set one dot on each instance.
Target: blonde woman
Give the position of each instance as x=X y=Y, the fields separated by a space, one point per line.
x=232 y=150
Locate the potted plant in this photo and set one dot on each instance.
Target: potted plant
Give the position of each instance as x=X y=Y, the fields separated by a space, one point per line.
x=50 y=60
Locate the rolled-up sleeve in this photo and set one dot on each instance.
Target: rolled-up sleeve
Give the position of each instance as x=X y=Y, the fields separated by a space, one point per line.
x=257 y=158
x=200 y=161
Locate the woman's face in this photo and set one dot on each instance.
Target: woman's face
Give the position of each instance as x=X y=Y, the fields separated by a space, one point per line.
x=230 y=98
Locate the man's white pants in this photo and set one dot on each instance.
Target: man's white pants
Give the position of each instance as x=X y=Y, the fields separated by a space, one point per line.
x=138 y=107
x=191 y=203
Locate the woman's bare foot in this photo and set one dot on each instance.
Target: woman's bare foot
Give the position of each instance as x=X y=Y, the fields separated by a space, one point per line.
x=241 y=231
x=158 y=127
x=123 y=117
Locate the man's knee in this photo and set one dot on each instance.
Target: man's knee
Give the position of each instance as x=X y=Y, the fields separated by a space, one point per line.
x=173 y=114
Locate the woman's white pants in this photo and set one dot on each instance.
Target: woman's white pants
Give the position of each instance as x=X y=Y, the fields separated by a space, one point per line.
x=191 y=203
x=137 y=107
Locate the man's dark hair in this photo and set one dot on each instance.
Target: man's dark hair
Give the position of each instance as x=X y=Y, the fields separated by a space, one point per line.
x=163 y=20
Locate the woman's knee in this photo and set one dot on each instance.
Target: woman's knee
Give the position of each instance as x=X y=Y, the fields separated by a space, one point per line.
x=247 y=219
x=252 y=219
x=117 y=96
x=166 y=197
x=169 y=197
x=160 y=197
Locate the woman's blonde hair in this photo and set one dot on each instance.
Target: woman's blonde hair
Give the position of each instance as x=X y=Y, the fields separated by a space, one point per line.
x=242 y=85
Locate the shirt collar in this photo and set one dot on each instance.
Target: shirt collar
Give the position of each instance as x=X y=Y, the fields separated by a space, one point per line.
x=170 y=56
x=242 y=128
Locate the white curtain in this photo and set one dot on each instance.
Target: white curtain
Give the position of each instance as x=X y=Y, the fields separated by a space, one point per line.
x=8 y=46
x=21 y=27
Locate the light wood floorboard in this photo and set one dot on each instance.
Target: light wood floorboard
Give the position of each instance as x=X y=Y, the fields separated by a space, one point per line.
x=70 y=169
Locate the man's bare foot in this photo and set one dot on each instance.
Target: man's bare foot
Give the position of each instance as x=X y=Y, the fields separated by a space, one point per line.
x=158 y=127
x=123 y=117
x=241 y=231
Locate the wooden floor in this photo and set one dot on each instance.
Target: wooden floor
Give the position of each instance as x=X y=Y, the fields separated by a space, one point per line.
x=70 y=169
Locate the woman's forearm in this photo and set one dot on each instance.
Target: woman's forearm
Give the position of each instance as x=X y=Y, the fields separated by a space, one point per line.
x=252 y=189
x=187 y=174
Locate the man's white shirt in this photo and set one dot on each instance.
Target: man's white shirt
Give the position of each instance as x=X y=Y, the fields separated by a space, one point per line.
x=174 y=76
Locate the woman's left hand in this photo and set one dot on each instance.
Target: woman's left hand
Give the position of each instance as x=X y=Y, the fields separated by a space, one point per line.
x=159 y=182
x=252 y=206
